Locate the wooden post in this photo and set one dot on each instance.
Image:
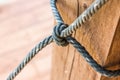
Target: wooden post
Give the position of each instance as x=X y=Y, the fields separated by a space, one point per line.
x=100 y=36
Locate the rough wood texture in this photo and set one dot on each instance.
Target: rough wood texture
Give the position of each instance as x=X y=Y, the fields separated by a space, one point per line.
x=100 y=36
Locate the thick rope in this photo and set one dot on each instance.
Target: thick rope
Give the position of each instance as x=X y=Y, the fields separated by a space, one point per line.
x=56 y=12
x=91 y=61
x=59 y=36
x=88 y=13
x=28 y=58
x=56 y=34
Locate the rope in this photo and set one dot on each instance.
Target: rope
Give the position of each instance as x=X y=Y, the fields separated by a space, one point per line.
x=30 y=55
x=56 y=12
x=61 y=35
x=91 y=61
x=56 y=34
x=88 y=13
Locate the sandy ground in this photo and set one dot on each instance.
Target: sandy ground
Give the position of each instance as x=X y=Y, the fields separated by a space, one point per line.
x=23 y=23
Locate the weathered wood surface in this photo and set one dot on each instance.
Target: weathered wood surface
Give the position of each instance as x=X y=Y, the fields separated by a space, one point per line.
x=100 y=35
x=23 y=23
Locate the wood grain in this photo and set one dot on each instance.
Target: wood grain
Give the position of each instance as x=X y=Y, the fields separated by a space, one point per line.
x=99 y=35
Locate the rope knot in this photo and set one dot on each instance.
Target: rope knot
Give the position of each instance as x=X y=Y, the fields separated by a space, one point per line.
x=57 y=32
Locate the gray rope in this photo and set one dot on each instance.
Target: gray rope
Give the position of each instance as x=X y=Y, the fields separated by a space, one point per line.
x=59 y=36
x=91 y=61
x=56 y=12
x=28 y=58
x=88 y=13
x=56 y=34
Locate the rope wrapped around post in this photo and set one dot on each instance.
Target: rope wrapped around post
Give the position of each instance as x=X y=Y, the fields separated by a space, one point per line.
x=62 y=36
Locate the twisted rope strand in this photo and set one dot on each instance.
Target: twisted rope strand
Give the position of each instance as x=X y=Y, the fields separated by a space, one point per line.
x=91 y=61
x=88 y=13
x=56 y=12
x=96 y=5
x=29 y=57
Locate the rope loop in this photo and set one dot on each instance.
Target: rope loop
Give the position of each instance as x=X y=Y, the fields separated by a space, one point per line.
x=61 y=41
x=62 y=36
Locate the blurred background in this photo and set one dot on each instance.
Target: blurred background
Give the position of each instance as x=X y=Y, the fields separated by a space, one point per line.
x=23 y=23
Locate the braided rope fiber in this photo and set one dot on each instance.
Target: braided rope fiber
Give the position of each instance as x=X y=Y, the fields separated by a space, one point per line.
x=56 y=12
x=88 y=13
x=91 y=61
x=60 y=36
x=29 y=57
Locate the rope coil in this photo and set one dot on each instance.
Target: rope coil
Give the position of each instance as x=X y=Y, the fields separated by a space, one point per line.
x=61 y=35
x=56 y=34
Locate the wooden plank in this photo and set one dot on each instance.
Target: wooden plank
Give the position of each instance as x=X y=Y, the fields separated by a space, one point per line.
x=97 y=35
x=113 y=59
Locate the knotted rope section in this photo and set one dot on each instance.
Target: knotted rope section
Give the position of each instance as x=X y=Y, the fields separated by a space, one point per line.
x=62 y=36
x=56 y=34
